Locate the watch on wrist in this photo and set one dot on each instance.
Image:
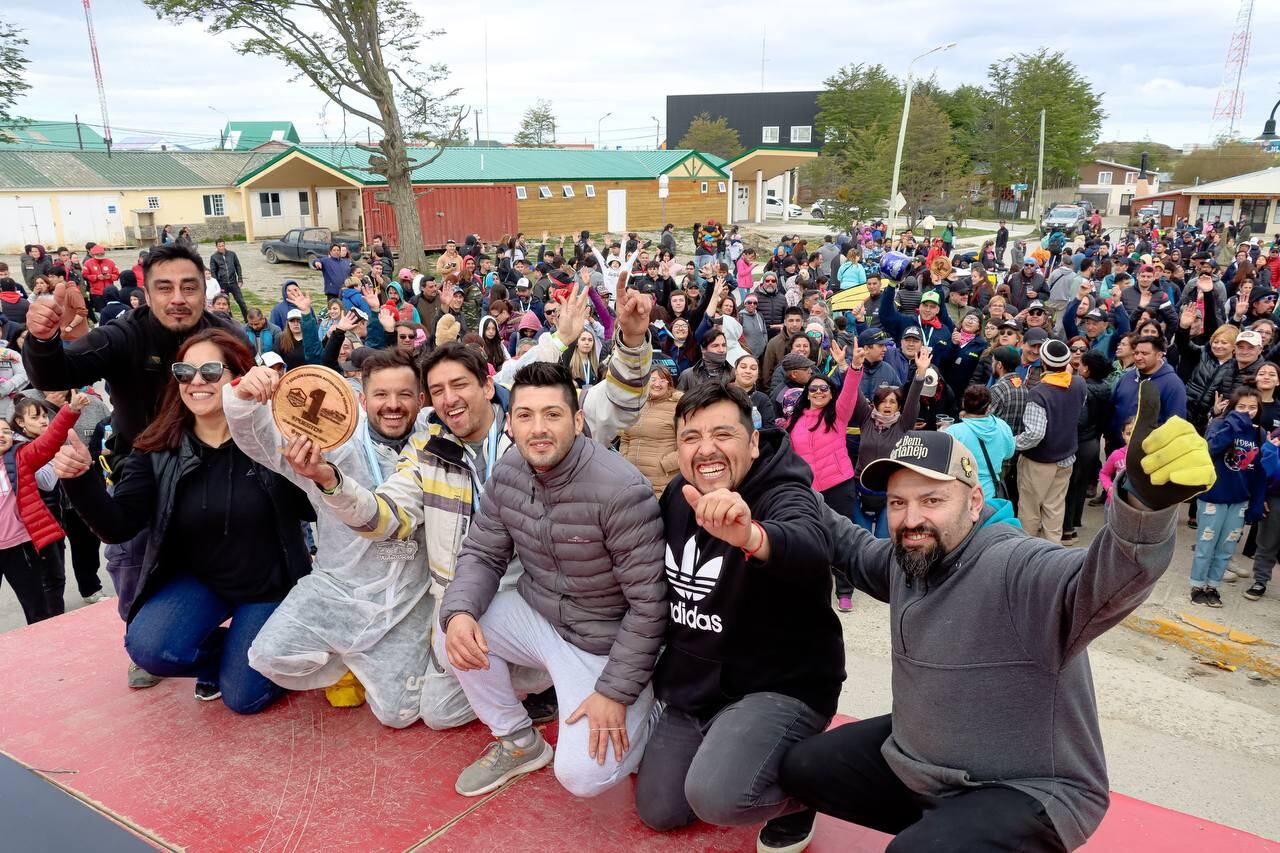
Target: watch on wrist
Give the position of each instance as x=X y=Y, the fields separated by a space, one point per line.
x=337 y=481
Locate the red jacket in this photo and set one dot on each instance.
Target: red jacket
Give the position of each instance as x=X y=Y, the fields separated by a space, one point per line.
x=99 y=272
x=30 y=456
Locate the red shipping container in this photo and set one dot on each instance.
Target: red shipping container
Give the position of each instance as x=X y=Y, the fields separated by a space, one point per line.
x=446 y=212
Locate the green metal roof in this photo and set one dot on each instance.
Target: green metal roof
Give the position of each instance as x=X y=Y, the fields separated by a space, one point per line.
x=26 y=169
x=51 y=136
x=244 y=135
x=504 y=165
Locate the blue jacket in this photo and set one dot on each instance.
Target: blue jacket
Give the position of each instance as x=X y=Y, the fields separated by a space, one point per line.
x=1105 y=343
x=1124 y=399
x=895 y=323
x=995 y=436
x=961 y=363
x=1235 y=443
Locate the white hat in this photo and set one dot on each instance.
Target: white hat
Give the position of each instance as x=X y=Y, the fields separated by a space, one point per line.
x=294 y=314
x=272 y=359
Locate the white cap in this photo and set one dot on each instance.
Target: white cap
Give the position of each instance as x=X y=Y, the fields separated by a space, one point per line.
x=294 y=314
x=272 y=359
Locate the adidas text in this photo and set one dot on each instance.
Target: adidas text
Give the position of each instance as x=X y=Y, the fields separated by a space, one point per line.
x=691 y=618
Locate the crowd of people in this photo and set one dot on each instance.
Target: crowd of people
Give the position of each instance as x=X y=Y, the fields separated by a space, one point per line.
x=594 y=483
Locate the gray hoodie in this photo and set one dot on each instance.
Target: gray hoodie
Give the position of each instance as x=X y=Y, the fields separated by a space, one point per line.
x=991 y=682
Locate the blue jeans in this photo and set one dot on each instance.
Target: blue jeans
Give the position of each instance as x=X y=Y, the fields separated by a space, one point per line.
x=1220 y=526
x=177 y=633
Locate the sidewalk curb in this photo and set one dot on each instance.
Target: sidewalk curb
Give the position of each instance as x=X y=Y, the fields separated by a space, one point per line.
x=1260 y=657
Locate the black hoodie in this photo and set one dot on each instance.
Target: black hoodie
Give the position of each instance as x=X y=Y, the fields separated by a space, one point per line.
x=740 y=627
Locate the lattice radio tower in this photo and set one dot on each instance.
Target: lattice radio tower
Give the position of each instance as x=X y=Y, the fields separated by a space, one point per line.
x=97 y=73
x=1229 y=108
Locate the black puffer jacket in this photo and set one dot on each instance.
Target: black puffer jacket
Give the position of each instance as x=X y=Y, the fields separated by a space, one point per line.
x=1097 y=405
x=145 y=491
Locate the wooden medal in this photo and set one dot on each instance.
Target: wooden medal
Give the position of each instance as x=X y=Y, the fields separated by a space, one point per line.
x=315 y=402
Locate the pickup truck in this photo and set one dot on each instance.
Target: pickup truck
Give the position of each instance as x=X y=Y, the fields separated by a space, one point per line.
x=304 y=245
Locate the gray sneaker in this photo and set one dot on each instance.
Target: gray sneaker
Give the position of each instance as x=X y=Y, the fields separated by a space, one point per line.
x=140 y=678
x=502 y=762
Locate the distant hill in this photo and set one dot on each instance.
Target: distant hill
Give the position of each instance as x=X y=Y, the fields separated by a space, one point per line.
x=1162 y=158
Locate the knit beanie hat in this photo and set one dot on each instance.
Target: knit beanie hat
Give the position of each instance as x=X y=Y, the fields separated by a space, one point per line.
x=447 y=329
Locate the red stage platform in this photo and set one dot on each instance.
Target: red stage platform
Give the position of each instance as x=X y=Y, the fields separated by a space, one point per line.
x=304 y=776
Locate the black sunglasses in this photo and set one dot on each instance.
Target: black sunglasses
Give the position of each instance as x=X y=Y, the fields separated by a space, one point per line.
x=210 y=371
x=819 y=389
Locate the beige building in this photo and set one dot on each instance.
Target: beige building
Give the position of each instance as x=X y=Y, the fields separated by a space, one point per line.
x=70 y=198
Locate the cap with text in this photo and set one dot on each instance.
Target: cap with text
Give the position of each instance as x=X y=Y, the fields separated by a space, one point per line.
x=935 y=455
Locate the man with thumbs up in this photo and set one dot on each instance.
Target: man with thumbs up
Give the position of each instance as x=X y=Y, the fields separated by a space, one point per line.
x=754 y=655
x=132 y=354
x=993 y=742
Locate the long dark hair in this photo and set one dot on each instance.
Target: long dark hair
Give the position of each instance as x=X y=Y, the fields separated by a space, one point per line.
x=828 y=416
x=172 y=417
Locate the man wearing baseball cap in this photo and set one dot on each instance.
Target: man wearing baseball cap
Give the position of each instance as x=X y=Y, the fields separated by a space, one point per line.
x=1047 y=443
x=1027 y=283
x=934 y=324
x=993 y=741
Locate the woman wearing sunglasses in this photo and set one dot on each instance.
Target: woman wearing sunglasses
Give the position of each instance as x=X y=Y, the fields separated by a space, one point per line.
x=817 y=427
x=226 y=533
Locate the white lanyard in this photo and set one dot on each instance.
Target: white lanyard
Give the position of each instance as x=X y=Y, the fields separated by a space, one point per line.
x=375 y=470
x=491 y=454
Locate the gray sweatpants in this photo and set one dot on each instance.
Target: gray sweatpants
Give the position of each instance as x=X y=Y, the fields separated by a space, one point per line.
x=516 y=634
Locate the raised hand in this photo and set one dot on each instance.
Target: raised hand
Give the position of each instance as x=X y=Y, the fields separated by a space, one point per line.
x=72 y=459
x=838 y=353
x=44 y=315
x=302 y=302
x=1167 y=464
x=387 y=319
x=924 y=358
x=348 y=321
x=1204 y=285
x=78 y=401
x=633 y=313
x=1188 y=315
x=258 y=384
x=370 y=294
x=573 y=316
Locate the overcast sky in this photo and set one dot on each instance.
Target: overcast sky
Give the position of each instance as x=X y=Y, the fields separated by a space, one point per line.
x=1158 y=67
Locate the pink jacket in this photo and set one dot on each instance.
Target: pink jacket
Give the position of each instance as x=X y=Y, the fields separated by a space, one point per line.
x=1111 y=469
x=824 y=449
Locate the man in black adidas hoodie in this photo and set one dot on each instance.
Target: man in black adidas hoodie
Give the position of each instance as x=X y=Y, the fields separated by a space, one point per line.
x=754 y=655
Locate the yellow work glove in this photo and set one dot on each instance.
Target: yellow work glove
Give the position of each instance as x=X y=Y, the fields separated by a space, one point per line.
x=1168 y=464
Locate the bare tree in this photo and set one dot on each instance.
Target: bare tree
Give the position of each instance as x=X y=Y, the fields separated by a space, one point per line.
x=361 y=55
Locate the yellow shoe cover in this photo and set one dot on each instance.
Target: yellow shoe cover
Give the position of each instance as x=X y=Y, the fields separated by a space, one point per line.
x=346 y=693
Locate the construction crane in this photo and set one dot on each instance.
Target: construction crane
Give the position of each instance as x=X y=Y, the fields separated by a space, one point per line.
x=1229 y=108
x=97 y=73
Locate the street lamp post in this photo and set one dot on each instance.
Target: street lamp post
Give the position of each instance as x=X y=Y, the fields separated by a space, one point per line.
x=1269 y=129
x=223 y=133
x=657 y=132
x=902 y=137
x=598 y=124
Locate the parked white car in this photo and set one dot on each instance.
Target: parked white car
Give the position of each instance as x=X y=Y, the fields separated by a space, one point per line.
x=773 y=207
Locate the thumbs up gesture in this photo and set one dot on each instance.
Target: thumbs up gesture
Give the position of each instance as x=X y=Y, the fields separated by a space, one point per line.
x=1166 y=464
x=72 y=459
x=44 y=315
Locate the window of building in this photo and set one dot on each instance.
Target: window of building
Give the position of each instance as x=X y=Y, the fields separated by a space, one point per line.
x=521 y=193
x=269 y=203
x=769 y=135
x=704 y=186
x=304 y=203
x=590 y=191
x=1104 y=179
x=802 y=133
x=720 y=187
x=1130 y=177
x=544 y=192
x=153 y=202
x=567 y=190
x=215 y=204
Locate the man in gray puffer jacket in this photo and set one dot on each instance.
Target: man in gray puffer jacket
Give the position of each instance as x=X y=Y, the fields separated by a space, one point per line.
x=590 y=608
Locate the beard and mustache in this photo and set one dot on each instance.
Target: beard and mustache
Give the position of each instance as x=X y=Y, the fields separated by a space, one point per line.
x=918 y=562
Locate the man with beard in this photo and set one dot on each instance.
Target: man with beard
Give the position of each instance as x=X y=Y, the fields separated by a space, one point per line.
x=989 y=628
x=133 y=354
x=754 y=657
x=365 y=607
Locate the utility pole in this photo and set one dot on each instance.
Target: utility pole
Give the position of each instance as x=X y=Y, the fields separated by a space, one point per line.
x=1039 y=196
x=478 y=126
x=79 y=138
x=763 y=36
x=902 y=138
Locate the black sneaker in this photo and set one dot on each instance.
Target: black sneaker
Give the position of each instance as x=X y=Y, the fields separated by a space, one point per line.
x=1197 y=595
x=1211 y=597
x=1191 y=522
x=1069 y=535
x=787 y=834
x=542 y=707
x=1256 y=591
x=207 y=692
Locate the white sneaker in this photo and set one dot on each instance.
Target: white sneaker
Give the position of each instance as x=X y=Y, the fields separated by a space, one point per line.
x=1230 y=576
x=100 y=595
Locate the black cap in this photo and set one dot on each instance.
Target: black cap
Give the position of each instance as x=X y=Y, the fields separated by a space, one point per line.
x=936 y=455
x=868 y=337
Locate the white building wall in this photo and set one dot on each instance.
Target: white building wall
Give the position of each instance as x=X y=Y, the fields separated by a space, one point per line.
x=26 y=218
